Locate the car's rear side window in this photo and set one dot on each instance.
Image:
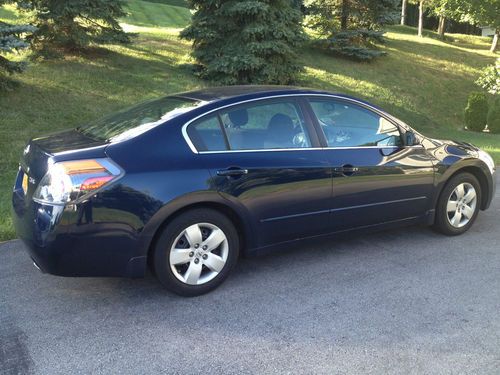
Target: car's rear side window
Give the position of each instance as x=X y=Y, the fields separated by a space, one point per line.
x=140 y=117
x=264 y=125
x=206 y=134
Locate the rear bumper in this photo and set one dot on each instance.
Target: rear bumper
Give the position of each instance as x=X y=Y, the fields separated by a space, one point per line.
x=61 y=243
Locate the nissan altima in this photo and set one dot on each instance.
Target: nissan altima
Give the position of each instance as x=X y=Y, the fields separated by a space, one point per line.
x=187 y=183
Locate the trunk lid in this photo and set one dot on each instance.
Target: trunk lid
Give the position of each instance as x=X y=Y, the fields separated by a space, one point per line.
x=66 y=145
x=68 y=140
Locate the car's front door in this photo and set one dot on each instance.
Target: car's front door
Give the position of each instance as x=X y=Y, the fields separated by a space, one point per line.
x=263 y=156
x=376 y=178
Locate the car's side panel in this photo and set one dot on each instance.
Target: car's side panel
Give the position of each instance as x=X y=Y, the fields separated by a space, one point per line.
x=205 y=198
x=286 y=193
x=389 y=185
x=371 y=184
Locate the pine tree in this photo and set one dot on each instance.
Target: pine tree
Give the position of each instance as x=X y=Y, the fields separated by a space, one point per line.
x=11 y=40
x=348 y=28
x=330 y=15
x=72 y=25
x=245 y=42
x=379 y=12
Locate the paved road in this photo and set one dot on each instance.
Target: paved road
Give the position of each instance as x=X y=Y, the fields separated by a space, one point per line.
x=403 y=301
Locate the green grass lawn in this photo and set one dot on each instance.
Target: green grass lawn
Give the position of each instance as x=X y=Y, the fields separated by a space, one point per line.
x=158 y=13
x=425 y=82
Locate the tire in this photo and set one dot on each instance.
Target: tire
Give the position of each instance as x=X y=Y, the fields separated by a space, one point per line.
x=453 y=223
x=204 y=238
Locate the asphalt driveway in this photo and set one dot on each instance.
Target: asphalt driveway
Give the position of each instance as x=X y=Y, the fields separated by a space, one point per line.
x=403 y=301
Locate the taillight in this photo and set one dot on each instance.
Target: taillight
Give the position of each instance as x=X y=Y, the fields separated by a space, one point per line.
x=70 y=181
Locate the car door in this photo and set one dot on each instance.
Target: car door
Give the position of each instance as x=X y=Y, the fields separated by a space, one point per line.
x=265 y=157
x=376 y=178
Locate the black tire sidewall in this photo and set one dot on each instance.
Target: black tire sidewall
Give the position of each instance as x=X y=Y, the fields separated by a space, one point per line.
x=170 y=232
x=441 y=223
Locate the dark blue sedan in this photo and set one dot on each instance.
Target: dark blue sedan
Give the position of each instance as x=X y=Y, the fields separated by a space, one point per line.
x=188 y=182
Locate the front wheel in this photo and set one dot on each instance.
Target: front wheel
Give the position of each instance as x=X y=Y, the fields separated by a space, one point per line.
x=196 y=252
x=458 y=205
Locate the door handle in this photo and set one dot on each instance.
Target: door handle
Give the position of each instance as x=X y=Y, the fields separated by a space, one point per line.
x=232 y=172
x=346 y=170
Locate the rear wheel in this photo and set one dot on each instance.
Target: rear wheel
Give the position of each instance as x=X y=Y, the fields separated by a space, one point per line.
x=458 y=205
x=195 y=252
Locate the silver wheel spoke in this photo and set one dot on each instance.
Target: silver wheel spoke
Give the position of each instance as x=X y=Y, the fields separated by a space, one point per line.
x=451 y=206
x=215 y=262
x=196 y=264
x=461 y=205
x=467 y=211
x=193 y=234
x=455 y=221
x=214 y=240
x=179 y=256
x=193 y=273
x=459 y=190
x=470 y=196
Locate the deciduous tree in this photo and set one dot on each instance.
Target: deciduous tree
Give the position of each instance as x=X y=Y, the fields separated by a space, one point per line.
x=480 y=12
x=421 y=11
x=486 y=13
x=404 y=5
x=442 y=10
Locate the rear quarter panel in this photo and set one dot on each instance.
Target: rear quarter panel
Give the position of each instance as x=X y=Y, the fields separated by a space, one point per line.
x=162 y=176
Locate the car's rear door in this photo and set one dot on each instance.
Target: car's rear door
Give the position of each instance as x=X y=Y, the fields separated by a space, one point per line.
x=376 y=178
x=265 y=157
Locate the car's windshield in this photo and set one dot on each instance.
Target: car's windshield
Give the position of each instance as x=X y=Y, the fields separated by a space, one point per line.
x=136 y=120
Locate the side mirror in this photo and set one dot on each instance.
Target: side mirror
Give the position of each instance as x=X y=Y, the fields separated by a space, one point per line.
x=410 y=138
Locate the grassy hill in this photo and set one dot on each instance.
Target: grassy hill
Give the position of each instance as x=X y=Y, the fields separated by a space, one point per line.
x=158 y=13
x=425 y=82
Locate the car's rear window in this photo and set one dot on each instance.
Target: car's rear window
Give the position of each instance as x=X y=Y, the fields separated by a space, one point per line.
x=137 y=119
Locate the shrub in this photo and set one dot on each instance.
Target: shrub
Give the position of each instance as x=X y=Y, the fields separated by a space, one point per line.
x=476 y=112
x=245 y=42
x=490 y=78
x=354 y=44
x=494 y=117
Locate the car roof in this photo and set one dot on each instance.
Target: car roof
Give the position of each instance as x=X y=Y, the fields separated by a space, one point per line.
x=224 y=92
x=212 y=94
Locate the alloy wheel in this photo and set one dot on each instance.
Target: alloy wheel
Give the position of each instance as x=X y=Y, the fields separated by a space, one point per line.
x=461 y=205
x=199 y=253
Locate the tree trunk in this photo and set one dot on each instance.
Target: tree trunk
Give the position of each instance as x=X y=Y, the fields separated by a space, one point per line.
x=421 y=19
x=494 y=45
x=344 y=15
x=442 y=26
x=403 y=12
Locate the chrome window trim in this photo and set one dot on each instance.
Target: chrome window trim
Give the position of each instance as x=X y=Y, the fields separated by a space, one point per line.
x=305 y=95
x=310 y=149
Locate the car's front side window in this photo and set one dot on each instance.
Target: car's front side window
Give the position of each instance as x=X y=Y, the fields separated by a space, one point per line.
x=348 y=125
x=265 y=125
